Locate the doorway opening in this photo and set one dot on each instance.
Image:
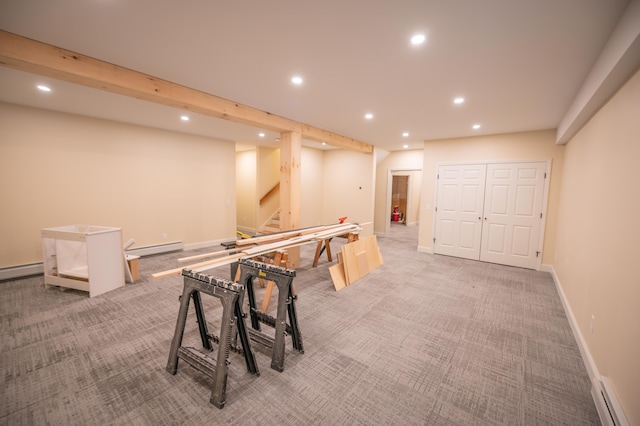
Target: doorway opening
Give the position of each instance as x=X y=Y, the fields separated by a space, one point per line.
x=399 y=194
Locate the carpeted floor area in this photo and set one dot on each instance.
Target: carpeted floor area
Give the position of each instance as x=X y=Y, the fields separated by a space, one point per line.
x=422 y=340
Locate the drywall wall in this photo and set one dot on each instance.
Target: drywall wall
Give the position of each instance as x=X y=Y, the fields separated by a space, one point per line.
x=349 y=179
x=397 y=161
x=598 y=241
x=246 y=190
x=538 y=145
x=61 y=169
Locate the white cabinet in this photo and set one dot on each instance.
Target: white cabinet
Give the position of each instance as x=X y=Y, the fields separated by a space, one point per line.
x=83 y=257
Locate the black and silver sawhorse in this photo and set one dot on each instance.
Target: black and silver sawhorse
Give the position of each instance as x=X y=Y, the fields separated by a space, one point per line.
x=283 y=278
x=230 y=295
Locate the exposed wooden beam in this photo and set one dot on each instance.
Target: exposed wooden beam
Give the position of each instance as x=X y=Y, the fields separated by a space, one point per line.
x=290 y=187
x=39 y=58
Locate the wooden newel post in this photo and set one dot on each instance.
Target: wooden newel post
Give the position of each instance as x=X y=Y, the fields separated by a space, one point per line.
x=290 y=188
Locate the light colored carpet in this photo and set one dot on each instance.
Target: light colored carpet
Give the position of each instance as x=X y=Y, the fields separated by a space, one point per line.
x=422 y=340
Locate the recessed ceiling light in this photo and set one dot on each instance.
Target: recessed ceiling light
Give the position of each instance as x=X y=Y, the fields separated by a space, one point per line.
x=405 y=146
x=297 y=80
x=324 y=143
x=184 y=118
x=368 y=116
x=44 y=88
x=418 y=39
x=476 y=126
x=405 y=135
x=458 y=100
x=261 y=135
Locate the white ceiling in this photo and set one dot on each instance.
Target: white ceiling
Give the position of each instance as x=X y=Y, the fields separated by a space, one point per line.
x=517 y=63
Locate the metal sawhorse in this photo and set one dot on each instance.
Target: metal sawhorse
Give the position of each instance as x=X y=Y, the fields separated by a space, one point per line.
x=230 y=295
x=283 y=278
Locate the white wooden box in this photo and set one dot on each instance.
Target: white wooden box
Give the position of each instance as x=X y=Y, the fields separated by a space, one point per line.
x=83 y=257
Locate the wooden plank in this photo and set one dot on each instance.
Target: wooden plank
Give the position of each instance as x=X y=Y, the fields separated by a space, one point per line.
x=280 y=236
x=374 y=258
x=337 y=276
x=260 y=249
x=210 y=254
x=197 y=266
x=360 y=257
x=39 y=58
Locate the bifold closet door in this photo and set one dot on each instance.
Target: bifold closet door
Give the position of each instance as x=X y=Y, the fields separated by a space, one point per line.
x=490 y=212
x=459 y=210
x=513 y=214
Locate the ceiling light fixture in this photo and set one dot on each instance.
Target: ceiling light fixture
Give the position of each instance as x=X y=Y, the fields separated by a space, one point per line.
x=418 y=39
x=184 y=118
x=476 y=126
x=405 y=135
x=368 y=116
x=405 y=146
x=44 y=88
x=261 y=135
x=458 y=100
x=297 y=80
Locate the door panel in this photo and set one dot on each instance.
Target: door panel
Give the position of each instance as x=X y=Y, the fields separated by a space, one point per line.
x=459 y=210
x=512 y=217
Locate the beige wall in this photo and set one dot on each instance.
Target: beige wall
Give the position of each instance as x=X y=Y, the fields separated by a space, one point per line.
x=61 y=169
x=397 y=160
x=598 y=241
x=246 y=190
x=349 y=179
x=539 y=145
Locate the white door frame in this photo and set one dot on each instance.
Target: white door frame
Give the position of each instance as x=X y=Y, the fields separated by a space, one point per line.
x=545 y=196
x=387 y=205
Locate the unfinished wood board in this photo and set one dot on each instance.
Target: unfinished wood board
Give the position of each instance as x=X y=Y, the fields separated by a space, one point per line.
x=360 y=257
x=337 y=276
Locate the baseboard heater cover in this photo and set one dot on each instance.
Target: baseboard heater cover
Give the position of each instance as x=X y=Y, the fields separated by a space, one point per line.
x=613 y=407
x=13 y=272
x=21 y=271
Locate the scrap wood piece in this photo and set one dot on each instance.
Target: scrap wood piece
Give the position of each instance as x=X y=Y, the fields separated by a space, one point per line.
x=337 y=276
x=357 y=259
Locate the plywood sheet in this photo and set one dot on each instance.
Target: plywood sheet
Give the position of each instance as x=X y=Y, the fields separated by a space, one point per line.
x=337 y=276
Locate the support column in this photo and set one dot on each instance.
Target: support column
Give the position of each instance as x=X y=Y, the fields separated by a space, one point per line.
x=290 y=188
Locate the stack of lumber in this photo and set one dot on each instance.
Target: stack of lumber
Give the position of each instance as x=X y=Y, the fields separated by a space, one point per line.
x=357 y=259
x=251 y=247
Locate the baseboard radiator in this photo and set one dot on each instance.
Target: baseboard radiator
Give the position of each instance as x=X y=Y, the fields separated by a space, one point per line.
x=610 y=409
x=22 y=271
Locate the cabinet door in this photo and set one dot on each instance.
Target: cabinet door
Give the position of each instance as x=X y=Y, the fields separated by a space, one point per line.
x=459 y=210
x=513 y=213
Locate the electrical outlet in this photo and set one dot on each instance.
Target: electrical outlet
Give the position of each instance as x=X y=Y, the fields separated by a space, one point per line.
x=592 y=323
x=164 y=236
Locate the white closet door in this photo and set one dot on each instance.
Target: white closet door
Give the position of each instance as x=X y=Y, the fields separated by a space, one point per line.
x=513 y=213
x=459 y=210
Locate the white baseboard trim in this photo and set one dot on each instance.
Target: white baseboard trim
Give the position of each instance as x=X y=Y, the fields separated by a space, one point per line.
x=592 y=370
x=425 y=249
